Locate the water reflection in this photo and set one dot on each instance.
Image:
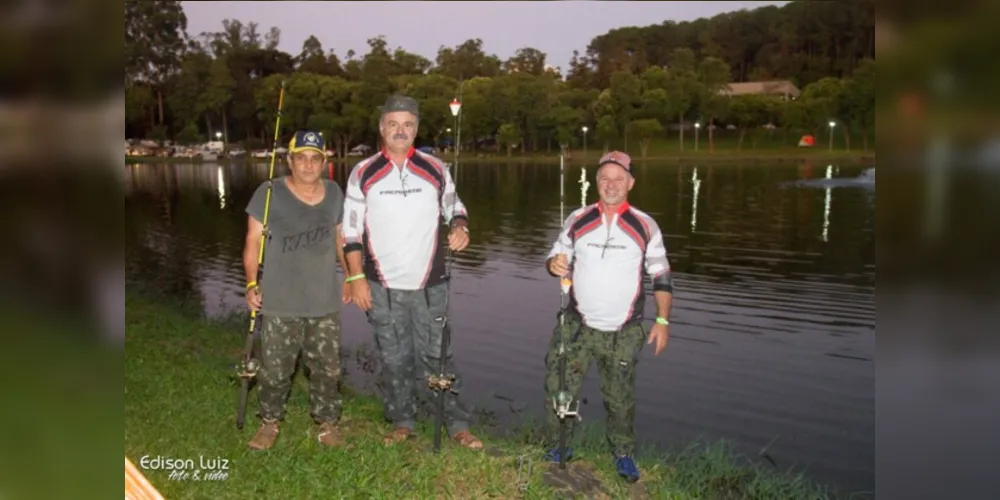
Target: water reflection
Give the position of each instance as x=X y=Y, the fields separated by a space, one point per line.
x=584 y=186
x=826 y=205
x=222 y=188
x=695 y=184
x=774 y=330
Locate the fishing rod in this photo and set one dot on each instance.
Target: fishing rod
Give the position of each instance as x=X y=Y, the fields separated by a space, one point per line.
x=443 y=382
x=248 y=366
x=563 y=401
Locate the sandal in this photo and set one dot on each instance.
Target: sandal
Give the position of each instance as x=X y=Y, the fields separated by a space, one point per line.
x=397 y=435
x=466 y=439
x=329 y=435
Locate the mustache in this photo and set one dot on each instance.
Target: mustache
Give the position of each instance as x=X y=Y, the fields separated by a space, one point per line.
x=401 y=136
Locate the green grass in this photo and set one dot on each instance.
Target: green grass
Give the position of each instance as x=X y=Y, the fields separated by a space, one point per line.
x=180 y=404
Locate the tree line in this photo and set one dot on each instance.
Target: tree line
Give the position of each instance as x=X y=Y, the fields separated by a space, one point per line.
x=636 y=84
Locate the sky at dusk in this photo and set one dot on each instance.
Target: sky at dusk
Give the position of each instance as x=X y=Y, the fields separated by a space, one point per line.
x=557 y=28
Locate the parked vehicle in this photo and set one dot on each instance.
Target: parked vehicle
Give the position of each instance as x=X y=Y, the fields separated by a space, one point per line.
x=359 y=150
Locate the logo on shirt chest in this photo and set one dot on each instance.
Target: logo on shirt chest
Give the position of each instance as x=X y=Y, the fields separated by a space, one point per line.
x=305 y=239
x=404 y=185
x=399 y=192
x=607 y=245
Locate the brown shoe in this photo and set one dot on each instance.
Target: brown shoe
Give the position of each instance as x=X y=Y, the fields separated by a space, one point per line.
x=466 y=439
x=398 y=435
x=329 y=434
x=265 y=436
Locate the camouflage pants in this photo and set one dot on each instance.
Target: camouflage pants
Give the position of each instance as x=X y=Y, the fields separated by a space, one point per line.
x=407 y=327
x=319 y=341
x=617 y=354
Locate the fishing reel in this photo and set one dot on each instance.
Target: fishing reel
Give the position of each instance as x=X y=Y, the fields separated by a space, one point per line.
x=563 y=403
x=442 y=383
x=247 y=368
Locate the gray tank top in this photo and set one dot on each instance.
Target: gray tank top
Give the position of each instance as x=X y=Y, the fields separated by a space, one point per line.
x=300 y=259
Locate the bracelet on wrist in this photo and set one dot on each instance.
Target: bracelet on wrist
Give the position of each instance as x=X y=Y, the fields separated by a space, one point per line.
x=660 y=320
x=252 y=284
x=354 y=278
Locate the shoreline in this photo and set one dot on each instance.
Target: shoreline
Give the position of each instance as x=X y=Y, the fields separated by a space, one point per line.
x=180 y=403
x=780 y=156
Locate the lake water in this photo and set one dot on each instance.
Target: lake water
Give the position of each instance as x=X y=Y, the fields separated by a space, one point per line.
x=773 y=332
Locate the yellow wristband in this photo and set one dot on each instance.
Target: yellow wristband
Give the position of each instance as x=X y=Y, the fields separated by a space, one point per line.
x=252 y=284
x=662 y=321
x=354 y=278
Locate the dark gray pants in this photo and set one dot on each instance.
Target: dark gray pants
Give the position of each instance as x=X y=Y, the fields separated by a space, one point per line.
x=409 y=340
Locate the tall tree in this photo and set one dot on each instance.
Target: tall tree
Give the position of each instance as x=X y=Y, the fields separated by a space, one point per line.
x=713 y=77
x=682 y=85
x=858 y=109
x=312 y=59
x=526 y=60
x=186 y=97
x=155 y=31
x=467 y=61
x=219 y=93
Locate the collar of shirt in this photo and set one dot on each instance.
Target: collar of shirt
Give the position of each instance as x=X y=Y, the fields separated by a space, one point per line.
x=612 y=217
x=406 y=160
x=621 y=208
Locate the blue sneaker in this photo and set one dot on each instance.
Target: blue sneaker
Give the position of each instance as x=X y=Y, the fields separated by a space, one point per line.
x=627 y=469
x=553 y=454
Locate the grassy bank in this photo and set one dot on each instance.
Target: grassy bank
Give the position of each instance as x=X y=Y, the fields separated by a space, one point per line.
x=180 y=404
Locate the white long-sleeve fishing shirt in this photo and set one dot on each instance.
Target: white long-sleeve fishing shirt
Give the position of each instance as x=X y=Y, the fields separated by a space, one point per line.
x=393 y=214
x=609 y=252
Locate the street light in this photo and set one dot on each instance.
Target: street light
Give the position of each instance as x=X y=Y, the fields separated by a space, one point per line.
x=218 y=135
x=456 y=108
x=697 y=128
x=831 y=124
x=584 y=129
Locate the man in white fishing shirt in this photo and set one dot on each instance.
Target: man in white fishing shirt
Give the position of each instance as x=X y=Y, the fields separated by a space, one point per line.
x=396 y=204
x=603 y=250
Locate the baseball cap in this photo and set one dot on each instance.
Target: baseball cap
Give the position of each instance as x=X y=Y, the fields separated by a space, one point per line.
x=307 y=140
x=401 y=103
x=618 y=158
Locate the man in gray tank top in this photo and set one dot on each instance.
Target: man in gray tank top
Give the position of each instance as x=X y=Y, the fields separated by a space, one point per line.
x=298 y=295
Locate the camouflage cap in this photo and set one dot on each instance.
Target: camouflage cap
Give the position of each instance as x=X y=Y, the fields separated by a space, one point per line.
x=401 y=103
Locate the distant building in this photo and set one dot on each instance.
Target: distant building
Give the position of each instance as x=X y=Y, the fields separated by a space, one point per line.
x=784 y=89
